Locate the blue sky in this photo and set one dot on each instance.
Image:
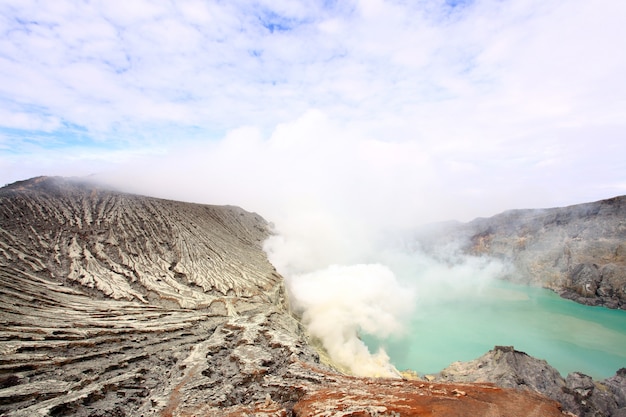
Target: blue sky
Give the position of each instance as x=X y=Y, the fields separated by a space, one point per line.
x=435 y=109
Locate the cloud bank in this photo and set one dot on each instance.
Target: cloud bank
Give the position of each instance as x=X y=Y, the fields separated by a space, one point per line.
x=488 y=98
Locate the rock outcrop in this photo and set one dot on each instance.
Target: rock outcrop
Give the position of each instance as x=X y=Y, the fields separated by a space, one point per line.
x=121 y=305
x=578 y=251
x=578 y=393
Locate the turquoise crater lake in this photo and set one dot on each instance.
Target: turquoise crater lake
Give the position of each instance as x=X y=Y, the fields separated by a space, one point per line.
x=570 y=336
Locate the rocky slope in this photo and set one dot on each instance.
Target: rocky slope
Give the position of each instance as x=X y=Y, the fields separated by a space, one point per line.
x=578 y=393
x=120 y=305
x=578 y=251
x=133 y=248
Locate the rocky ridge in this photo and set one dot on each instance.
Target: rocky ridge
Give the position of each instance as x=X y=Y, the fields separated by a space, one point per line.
x=136 y=248
x=578 y=251
x=121 y=305
x=578 y=393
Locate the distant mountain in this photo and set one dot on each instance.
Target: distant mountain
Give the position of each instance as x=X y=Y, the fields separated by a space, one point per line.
x=578 y=251
x=114 y=304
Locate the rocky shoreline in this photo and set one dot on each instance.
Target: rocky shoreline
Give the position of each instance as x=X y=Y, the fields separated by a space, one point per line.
x=121 y=305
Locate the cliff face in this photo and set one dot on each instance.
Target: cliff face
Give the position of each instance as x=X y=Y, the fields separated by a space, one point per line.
x=120 y=305
x=578 y=251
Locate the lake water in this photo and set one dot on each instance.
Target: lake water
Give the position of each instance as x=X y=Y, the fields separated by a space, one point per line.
x=570 y=336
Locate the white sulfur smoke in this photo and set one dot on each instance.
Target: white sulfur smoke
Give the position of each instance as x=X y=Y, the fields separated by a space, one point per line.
x=340 y=301
x=338 y=295
x=345 y=281
x=445 y=275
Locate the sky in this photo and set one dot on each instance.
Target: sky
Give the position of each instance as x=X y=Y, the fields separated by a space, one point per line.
x=415 y=111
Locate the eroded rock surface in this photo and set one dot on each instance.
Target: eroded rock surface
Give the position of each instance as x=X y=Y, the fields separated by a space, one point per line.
x=578 y=251
x=130 y=247
x=120 y=305
x=578 y=393
x=104 y=296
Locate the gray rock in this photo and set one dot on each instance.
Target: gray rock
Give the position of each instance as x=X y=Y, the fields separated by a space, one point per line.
x=585 y=280
x=617 y=385
x=578 y=393
x=578 y=251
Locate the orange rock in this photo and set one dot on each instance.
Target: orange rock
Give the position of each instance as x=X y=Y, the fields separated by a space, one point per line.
x=389 y=398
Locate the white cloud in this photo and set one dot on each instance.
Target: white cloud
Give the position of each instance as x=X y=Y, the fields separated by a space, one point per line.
x=479 y=103
x=29 y=121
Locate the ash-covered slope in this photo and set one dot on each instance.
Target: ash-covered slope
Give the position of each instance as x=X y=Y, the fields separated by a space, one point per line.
x=578 y=251
x=135 y=248
x=108 y=301
x=120 y=305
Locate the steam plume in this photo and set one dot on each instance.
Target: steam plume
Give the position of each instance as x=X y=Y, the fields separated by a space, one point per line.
x=334 y=193
x=346 y=282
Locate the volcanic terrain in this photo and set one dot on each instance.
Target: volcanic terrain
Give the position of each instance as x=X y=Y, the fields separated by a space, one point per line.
x=114 y=304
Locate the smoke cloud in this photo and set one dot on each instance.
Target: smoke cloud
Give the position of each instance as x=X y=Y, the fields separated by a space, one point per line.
x=346 y=281
x=339 y=302
x=337 y=296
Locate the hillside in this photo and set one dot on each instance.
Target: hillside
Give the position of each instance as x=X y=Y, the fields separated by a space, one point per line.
x=578 y=251
x=122 y=305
